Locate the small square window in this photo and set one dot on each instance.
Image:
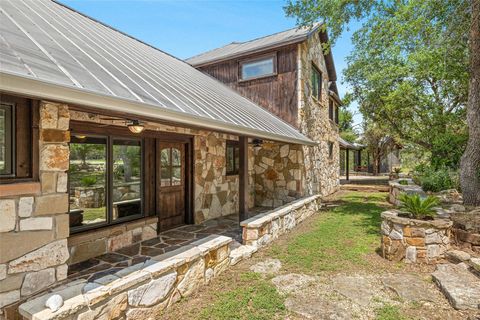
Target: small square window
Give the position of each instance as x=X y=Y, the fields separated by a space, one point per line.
x=232 y=158
x=316 y=79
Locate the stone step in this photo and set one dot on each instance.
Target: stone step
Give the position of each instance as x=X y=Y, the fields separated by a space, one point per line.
x=459 y=285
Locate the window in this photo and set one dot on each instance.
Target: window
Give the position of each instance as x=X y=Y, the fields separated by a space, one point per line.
x=331 y=108
x=171 y=167
x=330 y=150
x=18 y=128
x=6 y=139
x=105 y=180
x=258 y=68
x=336 y=115
x=316 y=82
x=233 y=157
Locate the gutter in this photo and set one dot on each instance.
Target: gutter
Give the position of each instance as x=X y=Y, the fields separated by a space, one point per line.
x=51 y=91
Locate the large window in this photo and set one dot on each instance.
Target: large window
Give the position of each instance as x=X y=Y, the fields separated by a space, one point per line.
x=316 y=79
x=262 y=67
x=105 y=180
x=232 y=157
x=6 y=139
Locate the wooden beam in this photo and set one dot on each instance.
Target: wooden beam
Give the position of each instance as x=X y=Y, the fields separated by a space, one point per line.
x=243 y=178
x=347 y=164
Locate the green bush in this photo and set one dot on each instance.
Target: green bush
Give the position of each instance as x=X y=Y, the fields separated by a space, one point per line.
x=88 y=181
x=403 y=182
x=417 y=207
x=436 y=180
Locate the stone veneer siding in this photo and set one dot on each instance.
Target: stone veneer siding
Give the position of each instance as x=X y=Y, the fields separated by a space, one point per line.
x=322 y=170
x=34 y=226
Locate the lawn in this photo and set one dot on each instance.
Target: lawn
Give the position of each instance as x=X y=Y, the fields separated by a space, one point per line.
x=340 y=239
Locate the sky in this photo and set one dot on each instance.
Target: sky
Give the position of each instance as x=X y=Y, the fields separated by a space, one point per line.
x=185 y=28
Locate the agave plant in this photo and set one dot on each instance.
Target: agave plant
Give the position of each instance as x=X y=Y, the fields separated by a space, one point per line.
x=417 y=207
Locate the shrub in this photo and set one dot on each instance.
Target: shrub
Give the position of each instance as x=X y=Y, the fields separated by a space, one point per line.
x=417 y=207
x=403 y=182
x=88 y=181
x=436 y=180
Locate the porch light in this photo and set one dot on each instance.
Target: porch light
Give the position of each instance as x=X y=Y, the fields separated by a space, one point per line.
x=257 y=144
x=135 y=126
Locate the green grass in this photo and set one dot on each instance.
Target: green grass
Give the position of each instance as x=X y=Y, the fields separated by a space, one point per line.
x=339 y=238
x=256 y=299
x=90 y=214
x=389 y=312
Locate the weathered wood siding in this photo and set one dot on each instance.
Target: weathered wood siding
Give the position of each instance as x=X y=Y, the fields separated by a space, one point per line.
x=277 y=94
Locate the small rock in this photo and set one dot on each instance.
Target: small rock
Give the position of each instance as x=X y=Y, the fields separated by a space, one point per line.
x=458 y=256
x=54 y=303
x=269 y=266
x=475 y=262
x=458 y=207
x=292 y=282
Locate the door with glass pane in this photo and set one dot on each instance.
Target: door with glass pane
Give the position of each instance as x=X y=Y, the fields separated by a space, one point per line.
x=170 y=184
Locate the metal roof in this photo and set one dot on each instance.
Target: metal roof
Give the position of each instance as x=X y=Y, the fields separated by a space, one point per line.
x=235 y=49
x=348 y=145
x=53 y=52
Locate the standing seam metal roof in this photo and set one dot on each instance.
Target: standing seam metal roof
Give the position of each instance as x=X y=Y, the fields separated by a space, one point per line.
x=49 y=42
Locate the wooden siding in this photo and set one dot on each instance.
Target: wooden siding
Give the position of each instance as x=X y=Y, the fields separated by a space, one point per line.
x=277 y=93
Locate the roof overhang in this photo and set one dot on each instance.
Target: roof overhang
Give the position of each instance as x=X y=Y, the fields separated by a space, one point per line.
x=348 y=145
x=21 y=85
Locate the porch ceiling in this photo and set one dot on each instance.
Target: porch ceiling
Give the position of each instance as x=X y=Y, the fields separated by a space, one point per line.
x=50 y=51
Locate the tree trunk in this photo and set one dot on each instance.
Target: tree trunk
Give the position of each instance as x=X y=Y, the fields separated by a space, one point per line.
x=470 y=162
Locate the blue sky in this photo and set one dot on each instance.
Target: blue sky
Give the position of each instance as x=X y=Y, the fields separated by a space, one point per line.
x=184 y=28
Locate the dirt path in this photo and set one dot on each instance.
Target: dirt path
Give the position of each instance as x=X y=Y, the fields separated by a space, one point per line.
x=329 y=269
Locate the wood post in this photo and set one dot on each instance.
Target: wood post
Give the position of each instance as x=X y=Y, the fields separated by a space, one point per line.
x=243 y=193
x=347 y=165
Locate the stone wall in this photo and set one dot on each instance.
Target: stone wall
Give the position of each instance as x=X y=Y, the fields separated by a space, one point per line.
x=322 y=170
x=396 y=189
x=412 y=240
x=33 y=216
x=279 y=174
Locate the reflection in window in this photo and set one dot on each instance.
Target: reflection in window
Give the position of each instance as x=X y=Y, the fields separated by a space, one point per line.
x=232 y=157
x=88 y=167
x=316 y=82
x=6 y=139
x=127 y=178
x=257 y=68
x=171 y=167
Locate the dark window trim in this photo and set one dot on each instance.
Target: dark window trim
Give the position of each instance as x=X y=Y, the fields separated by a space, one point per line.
x=331 y=110
x=12 y=141
x=272 y=56
x=330 y=150
x=315 y=68
x=110 y=138
x=235 y=145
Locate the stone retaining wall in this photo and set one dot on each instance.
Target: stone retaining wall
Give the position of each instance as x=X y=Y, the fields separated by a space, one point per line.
x=412 y=240
x=266 y=227
x=34 y=225
x=396 y=189
x=140 y=291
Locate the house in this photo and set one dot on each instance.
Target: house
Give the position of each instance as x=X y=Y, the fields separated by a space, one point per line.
x=289 y=75
x=124 y=170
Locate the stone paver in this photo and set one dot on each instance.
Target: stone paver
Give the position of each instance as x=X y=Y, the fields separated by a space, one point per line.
x=269 y=266
x=459 y=285
x=410 y=288
x=292 y=282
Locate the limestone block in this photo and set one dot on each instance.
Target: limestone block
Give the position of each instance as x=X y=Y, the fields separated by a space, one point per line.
x=24 y=242
x=37 y=281
x=411 y=254
x=62 y=272
x=62 y=228
x=52 y=135
x=7 y=298
x=3 y=271
x=7 y=215
x=48 y=116
x=51 y=204
x=193 y=278
x=25 y=207
x=433 y=238
x=62 y=179
x=52 y=254
x=43 y=223
x=153 y=292
x=111 y=309
x=87 y=250
x=12 y=282
x=120 y=241
x=54 y=157
x=284 y=150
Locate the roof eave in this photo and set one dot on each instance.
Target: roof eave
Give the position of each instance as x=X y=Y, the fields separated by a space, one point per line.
x=16 y=84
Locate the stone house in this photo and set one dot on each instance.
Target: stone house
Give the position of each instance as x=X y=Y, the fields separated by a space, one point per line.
x=125 y=172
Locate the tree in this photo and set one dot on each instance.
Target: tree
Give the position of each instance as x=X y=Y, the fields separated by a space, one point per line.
x=378 y=143
x=410 y=69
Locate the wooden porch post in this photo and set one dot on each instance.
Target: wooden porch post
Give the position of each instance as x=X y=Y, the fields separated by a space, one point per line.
x=243 y=178
x=347 y=164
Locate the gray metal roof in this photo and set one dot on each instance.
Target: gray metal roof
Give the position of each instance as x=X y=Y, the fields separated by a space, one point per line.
x=59 y=53
x=240 y=48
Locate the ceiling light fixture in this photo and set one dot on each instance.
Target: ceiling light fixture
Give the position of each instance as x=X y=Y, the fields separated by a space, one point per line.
x=135 y=126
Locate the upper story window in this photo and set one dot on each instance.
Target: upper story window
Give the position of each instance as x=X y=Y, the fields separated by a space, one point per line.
x=330 y=150
x=17 y=127
x=331 y=110
x=316 y=80
x=258 y=68
x=233 y=157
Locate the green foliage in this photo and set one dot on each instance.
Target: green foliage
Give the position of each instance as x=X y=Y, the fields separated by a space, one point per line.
x=435 y=180
x=417 y=207
x=88 y=181
x=389 y=312
x=403 y=182
x=397 y=170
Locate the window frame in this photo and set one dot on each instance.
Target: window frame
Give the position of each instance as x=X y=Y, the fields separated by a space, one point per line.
x=331 y=110
x=316 y=69
x=12 y=141
x=330 y=150
x=236 y=146
x=241 y=63
x=110 y=138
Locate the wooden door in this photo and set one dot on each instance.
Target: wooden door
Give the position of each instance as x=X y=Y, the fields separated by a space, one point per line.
x=170 y=184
